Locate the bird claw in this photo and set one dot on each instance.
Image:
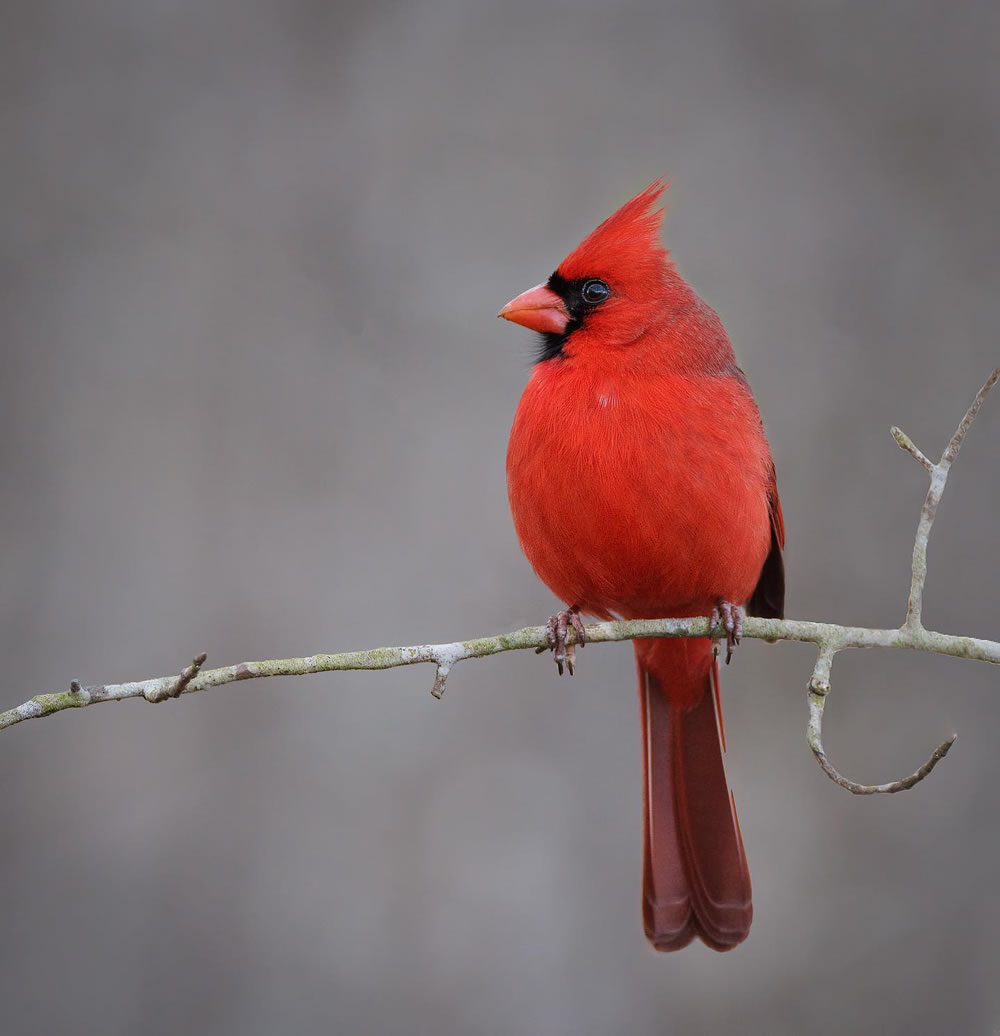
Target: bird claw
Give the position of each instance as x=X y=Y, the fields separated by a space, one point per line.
x=730 y=616
x=557 y=633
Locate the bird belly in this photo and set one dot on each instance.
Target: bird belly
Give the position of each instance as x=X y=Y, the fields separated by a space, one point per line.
x=649 y=507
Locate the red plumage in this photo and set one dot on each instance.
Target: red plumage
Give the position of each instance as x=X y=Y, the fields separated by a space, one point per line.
x=641 y=486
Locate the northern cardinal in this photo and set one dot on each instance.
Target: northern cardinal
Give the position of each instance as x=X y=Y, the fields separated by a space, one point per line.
x=642 y=486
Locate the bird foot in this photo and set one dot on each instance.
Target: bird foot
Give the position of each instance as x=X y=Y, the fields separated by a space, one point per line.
x=557 y=633
x=731 y=618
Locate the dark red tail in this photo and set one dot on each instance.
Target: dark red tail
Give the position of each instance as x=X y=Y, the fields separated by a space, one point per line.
x=695 y=876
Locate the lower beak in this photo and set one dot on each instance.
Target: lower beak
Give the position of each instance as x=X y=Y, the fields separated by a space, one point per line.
x=539 y=308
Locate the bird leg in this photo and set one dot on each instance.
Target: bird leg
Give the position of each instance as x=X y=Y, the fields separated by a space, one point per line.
x=731 y=617
x=557 y=632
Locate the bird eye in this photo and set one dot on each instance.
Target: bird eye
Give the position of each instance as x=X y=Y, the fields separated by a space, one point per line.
x=595 y=291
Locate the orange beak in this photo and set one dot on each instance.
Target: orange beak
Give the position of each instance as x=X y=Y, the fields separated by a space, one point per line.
x=539 y=308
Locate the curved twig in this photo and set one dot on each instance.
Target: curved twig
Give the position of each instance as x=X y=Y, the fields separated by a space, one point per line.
x=819 y=688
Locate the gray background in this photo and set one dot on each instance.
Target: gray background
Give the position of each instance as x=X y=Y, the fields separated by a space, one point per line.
x=255 y=402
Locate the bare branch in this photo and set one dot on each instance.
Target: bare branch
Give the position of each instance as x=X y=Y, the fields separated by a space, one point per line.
x=531 y=637
x=829 y=638
x=893 y=786
x=819 y=684
x=906 y=443
x=176 y=689
x=918 y=569
x=439 y=678
x=962 y=431
x=939 y=477
x=819 y=688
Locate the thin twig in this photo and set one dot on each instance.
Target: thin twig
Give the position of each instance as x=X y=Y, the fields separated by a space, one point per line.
x=906 y=443
x=819 y=688
x=439 y=678
x=938 y=479
x=970 y=415
x=180 y=683
x=893 y=786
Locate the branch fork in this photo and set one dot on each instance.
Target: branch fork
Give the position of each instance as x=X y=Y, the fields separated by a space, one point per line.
x=176 y=687
x=819 y=682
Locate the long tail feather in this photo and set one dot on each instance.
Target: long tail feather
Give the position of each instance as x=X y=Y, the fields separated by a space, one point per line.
x=695 y=875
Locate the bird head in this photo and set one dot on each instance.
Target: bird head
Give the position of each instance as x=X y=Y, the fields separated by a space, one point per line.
x=609 y=290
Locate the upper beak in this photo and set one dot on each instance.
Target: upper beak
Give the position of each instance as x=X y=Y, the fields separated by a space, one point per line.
x=539 y=308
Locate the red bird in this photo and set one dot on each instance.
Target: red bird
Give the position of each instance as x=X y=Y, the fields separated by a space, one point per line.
x=642 y=486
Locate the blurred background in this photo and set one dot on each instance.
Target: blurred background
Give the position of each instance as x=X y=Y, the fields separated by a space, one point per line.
x=255 y=402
